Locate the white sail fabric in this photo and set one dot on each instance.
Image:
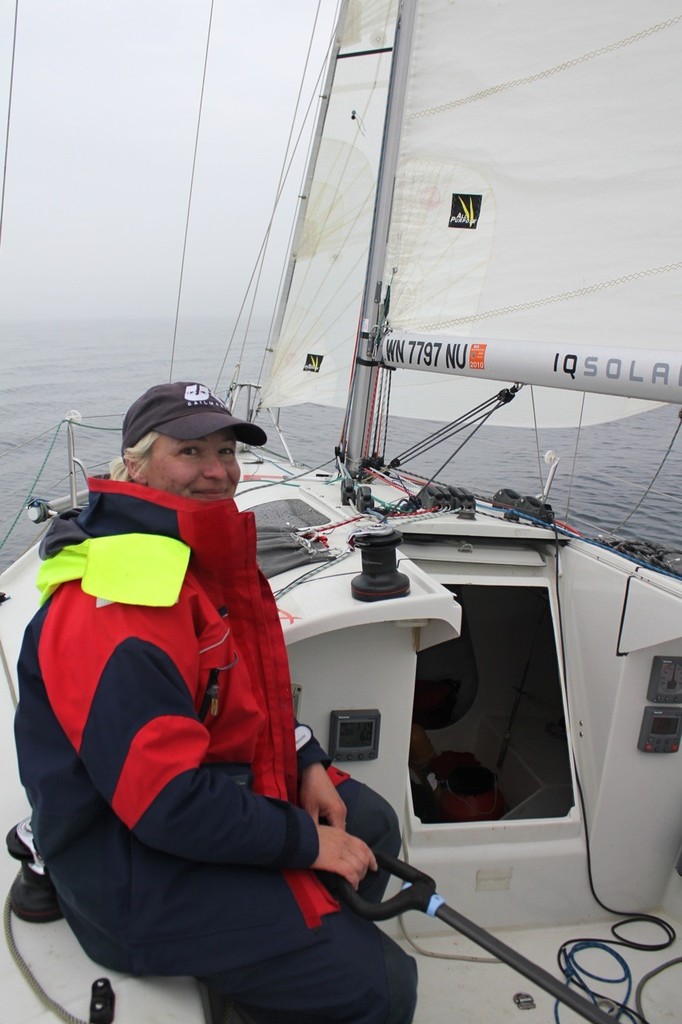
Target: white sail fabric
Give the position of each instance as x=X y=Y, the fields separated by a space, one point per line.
x=315 y=346
x=538 y=196
x=565 y=120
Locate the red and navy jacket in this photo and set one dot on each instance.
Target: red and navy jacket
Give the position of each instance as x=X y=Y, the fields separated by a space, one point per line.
x=155 y=737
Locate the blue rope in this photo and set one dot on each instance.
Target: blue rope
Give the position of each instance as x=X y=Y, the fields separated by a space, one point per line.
x=576 y=974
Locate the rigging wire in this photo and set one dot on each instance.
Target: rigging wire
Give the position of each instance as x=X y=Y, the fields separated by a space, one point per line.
x=444 y=433
x=653 y=481
x=55 y=435
x=9 y=118
x=537 y=436
x=301 y=192
x=574 y=461
x=284 y=174
x=283 y=177
x=191 y=191
x=475 y=419
x=483 y=419
x=287 y=164
x=575 y=450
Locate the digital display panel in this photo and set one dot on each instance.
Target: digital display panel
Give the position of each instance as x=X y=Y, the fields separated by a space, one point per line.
x=660 y=731
x=358 y=733
x=665 y=681
x=664 y=726
x=354 y=734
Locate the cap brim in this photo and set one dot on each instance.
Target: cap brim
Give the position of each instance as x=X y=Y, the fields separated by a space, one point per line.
x=200 y=424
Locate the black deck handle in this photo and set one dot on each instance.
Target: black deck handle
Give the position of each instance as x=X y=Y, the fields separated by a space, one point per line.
x=416 y=896
x=420 y=894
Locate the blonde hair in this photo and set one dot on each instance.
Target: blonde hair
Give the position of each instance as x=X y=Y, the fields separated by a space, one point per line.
x=138 y=455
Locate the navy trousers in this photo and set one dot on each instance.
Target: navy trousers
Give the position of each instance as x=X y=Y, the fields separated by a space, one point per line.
x=354 y=973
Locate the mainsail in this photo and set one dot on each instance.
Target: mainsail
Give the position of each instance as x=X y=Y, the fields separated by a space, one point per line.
x=537 y=200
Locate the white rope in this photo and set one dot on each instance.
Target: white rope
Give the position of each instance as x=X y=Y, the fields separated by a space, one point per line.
x=547 y=300
x=28 y=975
x=567 y=65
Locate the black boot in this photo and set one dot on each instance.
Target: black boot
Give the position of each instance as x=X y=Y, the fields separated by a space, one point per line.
x=33 y=896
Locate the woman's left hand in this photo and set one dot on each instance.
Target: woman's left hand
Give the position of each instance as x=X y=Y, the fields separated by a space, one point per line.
x=319 y=797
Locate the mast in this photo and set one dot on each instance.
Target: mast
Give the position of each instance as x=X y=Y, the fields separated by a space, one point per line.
x=366 y=349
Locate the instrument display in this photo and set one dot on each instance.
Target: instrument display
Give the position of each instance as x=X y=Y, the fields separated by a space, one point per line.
x=665 y=681
x=661 y=730
x=354 y=735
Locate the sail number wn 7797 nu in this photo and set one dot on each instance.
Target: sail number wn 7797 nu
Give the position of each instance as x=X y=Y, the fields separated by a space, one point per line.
x=631 y=373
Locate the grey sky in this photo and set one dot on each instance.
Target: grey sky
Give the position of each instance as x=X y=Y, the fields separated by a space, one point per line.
x=106 y=94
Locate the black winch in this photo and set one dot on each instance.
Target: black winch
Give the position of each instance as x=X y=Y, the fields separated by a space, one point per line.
x=379 y=579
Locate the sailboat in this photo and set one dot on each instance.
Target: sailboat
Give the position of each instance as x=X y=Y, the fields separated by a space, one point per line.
x=488 y=232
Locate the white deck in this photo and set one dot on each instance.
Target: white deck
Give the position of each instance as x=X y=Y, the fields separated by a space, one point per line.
x=523 y=878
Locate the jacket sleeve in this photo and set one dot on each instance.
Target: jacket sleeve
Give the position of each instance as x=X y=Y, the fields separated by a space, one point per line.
x=311 y=753
x=143 y=746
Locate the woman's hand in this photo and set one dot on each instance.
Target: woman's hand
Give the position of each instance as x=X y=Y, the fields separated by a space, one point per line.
x=344 y=855
x=319 y=798
x=339 y=852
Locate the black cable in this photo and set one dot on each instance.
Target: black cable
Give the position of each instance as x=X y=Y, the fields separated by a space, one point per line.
x=563 y=957
x=444 y=433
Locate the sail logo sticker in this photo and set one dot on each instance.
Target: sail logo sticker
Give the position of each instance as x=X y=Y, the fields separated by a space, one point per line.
x=312 y=363
x=477 y=357
x=465 y=210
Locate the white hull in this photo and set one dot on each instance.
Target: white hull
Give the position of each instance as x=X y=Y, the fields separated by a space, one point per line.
x=524 y=875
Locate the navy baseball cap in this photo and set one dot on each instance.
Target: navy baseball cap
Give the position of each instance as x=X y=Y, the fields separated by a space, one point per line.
x=184 y=409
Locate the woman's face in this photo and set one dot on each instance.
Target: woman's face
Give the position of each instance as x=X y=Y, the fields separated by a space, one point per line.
x=204 y=468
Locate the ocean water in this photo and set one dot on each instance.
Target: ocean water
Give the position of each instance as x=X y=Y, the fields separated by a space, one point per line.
x=99 y=367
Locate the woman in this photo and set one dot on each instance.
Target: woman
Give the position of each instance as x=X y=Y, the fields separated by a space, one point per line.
x=182 y=813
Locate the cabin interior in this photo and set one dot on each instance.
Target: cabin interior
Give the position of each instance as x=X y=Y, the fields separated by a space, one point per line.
x=489 y=733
